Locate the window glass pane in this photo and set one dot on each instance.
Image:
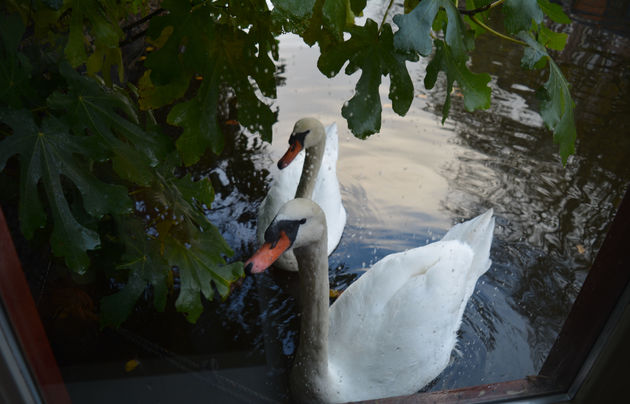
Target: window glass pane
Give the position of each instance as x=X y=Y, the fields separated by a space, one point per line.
x=402 y=188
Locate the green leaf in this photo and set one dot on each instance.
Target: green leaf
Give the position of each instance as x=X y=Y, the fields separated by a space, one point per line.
x=376 y=56
x=474 y=87
x=146 y=267
x=409 y=5
x=415 y=29
x=75 y=47
x=293 y=15
x=556 y=107
x=95 y=108
x=534 y=58
x=192 y=191
x=297 y=8
x=519 y=15
x=201 y=266
x=23 y=141
x=335 y=16
x=15 y=70
x=552 y=40
x=557 y=111
x=554 y=11
x=363 y=110
x=155 y=96
x=100 y=20
x=357 y=6
x=197 y=44
x=196 y=138
x=46 y=154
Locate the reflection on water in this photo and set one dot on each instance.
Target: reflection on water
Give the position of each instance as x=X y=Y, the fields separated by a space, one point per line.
x=405 y=187
x=551 y=220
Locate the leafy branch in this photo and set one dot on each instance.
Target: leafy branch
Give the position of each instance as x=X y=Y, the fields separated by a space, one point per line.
x=96 y=170
x=428 y=27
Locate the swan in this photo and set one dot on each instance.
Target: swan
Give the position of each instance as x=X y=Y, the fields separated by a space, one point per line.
x=319 y=183
x=391 y=331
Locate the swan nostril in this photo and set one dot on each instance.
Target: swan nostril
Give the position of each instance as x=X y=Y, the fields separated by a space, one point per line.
x=248 y=268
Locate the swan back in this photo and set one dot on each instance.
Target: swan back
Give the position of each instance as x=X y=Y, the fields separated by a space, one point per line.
x=392 y=331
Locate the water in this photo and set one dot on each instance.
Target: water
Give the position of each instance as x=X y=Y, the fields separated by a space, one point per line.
x=401 y=188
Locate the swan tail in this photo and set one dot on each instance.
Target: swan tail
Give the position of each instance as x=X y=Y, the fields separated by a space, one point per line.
x=477 y=233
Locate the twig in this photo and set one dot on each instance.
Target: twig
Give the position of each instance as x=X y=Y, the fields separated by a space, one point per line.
x=385 y=15
x=497 y=33
x=142 y=20
x=481 y=9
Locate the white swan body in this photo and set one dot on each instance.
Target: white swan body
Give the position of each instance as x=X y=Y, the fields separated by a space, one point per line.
x=392 y=331
x=325 y=193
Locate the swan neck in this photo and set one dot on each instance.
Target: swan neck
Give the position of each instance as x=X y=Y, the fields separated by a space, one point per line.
x=310 y=370
x=312 y=163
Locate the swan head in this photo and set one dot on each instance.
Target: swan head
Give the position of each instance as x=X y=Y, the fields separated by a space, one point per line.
x=306 y=133
x=299 y=222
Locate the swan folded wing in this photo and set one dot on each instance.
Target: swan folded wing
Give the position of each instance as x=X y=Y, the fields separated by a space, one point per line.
x=392 y=331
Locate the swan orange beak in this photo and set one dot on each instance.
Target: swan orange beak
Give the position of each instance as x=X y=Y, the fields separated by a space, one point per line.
x=290 y=154
x=267 y=255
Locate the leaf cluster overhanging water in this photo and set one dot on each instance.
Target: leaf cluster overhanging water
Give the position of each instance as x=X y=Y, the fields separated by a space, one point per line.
x=79 y=109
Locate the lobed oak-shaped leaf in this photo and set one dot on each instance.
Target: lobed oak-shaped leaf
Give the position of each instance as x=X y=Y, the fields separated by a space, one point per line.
x=375 y=55
x=414 y=32
x=201 y=269
x=194 y=245
x=519 y=15
x=196 y=43
x=357 y=6
x=105 y=32
x=48 y=153
x=474 y=86
x=554 y=11
x=92 y=107
x=146 y=266
x=556 y=107
x=552 y=40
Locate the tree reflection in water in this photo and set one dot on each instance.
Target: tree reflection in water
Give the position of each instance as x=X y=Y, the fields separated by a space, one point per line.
x=551 y=219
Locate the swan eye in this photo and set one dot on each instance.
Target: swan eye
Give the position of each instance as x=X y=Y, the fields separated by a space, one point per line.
x=288 y=227
x=298 y=137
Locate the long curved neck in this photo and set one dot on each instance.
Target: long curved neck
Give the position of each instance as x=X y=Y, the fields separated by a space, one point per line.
x=312 y=163
x=309 y=375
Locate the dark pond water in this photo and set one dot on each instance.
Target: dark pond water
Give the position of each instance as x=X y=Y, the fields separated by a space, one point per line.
x=401 y=188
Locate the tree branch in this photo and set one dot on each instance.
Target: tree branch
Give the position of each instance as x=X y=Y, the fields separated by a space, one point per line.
x=497 y=33
x=142 y=20
x=481 y=9
x=385 y=15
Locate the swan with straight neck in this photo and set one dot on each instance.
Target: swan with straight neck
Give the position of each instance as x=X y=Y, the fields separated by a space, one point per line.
x=392 y=331
x=310 y=174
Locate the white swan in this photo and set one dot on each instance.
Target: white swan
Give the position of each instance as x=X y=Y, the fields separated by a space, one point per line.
x=291 y=181
x=392 y=331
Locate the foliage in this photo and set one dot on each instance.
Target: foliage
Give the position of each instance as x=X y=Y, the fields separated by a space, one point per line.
x=78 y=112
